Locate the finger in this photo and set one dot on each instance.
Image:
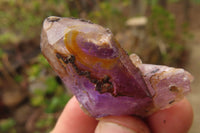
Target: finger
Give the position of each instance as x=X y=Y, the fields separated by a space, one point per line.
x=121 y=124
x=177 y=119
x=74 y=120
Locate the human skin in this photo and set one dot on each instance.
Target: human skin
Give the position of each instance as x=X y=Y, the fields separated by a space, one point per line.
x=176 y=119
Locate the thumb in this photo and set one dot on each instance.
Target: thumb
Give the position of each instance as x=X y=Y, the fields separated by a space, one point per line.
x=121 y=124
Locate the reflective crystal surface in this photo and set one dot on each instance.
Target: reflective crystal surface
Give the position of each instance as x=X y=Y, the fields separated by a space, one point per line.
x=104 y=79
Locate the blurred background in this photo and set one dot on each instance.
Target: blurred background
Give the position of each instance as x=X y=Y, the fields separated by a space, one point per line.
x=32 y=96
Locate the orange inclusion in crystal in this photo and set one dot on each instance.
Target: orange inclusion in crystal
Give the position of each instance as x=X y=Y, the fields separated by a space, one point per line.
x=84 y=58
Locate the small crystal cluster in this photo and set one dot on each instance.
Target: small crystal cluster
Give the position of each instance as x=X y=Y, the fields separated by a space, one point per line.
x=104 y=79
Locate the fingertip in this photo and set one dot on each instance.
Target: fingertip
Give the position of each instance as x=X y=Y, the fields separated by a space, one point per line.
x=176 y=119
x=73 y=119
x=121 y=124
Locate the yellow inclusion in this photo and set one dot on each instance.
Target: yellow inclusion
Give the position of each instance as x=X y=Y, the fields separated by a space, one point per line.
x=84 y=58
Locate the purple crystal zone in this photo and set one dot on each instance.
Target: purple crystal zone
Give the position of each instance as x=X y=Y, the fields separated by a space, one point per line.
x=97 y=51
x=99 y=105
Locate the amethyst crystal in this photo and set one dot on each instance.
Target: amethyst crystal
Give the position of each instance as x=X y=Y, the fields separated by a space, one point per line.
x=104 y=79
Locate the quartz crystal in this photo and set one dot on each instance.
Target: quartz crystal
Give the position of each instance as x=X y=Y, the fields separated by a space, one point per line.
x=104 y=79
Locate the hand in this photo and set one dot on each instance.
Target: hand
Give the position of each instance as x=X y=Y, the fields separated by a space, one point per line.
x=176 y=119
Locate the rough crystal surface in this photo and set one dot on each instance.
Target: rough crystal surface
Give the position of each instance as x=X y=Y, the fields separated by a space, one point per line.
x=104 y=79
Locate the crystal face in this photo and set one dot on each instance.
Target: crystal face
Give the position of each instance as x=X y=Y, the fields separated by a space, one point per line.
x=104 y=79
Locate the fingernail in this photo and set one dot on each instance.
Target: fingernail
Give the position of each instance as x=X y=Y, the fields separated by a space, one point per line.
x=108 y=127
